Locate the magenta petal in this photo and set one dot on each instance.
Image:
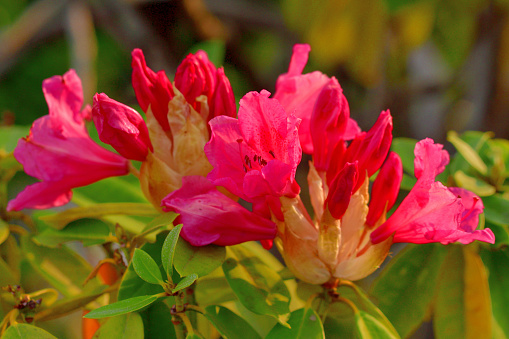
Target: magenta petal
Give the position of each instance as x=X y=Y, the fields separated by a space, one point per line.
x=298 y=92
x=385 y=188
x=223 y=152
x=59 y=151
x=151 y=89
x=41 y=195
x=121 y=127
x=473 y=207
x=432 y=212
x=210 y=217
x=341 y=190
x=430 y=159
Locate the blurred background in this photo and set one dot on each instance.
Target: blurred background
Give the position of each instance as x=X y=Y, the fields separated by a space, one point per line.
x=437 y=65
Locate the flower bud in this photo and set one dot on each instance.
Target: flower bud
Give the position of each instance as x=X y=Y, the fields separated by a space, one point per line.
x=121 y=127
x=223 y=100
x=385 y=188
x=152 y=89
x=196 y=76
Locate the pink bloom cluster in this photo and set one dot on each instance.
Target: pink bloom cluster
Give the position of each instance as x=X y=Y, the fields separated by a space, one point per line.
x=198 y=159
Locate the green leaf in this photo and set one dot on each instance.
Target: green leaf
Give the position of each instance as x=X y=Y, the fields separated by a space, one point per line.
x=132 y=285
x=501 y=233
x=479 y=187
x=89 y=231
x=185 y=282
x=157 y=324
x=146 y=267
x=122 y=307
x=305 y=324
x=126 y=326
x=213 y=290
x=7 y=276
x=62 y=268
x=10 y=135
x=67 y=305
x=496 y=209
x=229 y=324
x=259 y=288
x=463 y=307
x=60 y=220
x=409 y=279
x=168 y=251
x=404 y=147
x=497 y=263
x=160 y=224
x=198 y=259
x=24 y=331
x=4 y=231
x=341 y=317
x=470 y=155
x=369 y=327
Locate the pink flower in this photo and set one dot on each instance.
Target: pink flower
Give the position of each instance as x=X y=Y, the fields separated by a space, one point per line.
x=121 y=127
x=257 y=154
x=432 y=212
x=59 y=151
x=209 y=217
x=298 y=93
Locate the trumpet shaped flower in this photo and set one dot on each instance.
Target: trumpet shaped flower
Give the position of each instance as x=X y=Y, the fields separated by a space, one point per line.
x=59 y=151
x=433 y=212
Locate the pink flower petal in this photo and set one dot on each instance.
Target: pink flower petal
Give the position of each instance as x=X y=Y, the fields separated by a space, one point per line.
x=210 y=217
x=431 y=212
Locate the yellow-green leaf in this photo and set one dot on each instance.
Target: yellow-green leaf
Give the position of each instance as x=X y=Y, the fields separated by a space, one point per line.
x=479 y=187
x=470 y=155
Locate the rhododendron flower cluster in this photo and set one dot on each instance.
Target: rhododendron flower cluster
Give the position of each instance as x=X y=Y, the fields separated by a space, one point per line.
x=199 y=157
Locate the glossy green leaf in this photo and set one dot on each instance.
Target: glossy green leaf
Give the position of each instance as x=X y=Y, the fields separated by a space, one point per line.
x=4 y=231
x=479 y=187
x=369 y=327
x=462 y=307
x=10 y=135
x=157 y=324
x=341 y=320
x=89 y=231
x=497 y=263
x=193 y=336
x=501 y=233
x=25 y=331
x=122 y=307
x=62 y=268
x=168 y=251
x=132 y=285
x=213 y=290
x=470 y=155
x=409 y=279
x=496 y=209
x=259 y=288
x=229 y=324
x=126 y=326
x=305 y=324
x=146 y=268
x=404 y=147
x=185 y=282
x=159 y=224
x=198 y=259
